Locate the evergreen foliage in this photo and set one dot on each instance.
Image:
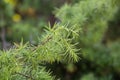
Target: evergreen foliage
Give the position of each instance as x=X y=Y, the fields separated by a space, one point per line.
x=25 y=61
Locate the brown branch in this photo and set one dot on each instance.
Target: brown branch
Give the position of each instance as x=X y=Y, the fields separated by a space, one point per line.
x=30 y=77
x=43 y=42
x=47 y=40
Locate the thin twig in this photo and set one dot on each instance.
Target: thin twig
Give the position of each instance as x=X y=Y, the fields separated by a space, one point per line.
x=43 y=42
x=47 y=40
x=30 y=77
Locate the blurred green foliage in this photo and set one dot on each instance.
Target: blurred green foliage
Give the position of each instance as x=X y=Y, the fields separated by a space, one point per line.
x=25 y=18
x=100 y=34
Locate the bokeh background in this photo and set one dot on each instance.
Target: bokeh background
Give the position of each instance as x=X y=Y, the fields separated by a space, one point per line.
x=100 y=45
